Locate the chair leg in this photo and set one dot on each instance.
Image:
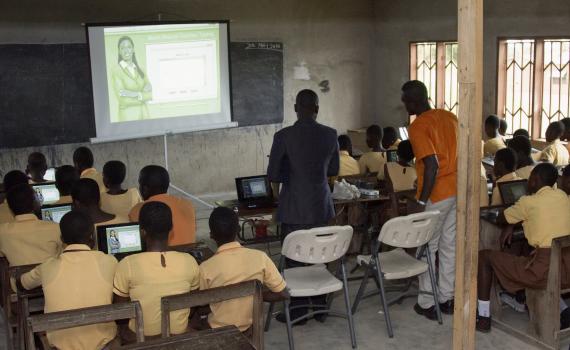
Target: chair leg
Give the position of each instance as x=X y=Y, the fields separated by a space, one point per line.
x=361 y=289
x=433 y=286
x=269 y=316
x=347 y=303
x=378 y=274
x=289 y=326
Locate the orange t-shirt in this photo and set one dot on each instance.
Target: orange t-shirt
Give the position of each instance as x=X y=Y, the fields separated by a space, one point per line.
x=183 y=218
x=435 y=132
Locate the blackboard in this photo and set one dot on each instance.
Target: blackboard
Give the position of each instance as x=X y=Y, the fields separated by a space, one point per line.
x=46 y=97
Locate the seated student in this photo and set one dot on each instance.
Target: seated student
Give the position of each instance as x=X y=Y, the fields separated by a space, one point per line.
x=525 y=163
x=83 y=162
x=37 y=167
x=149 y=276
x=484 y=189
x=555 y=153
x=504 y=170
x=231 y=264
x=544 y=215
x=374 y=160
x=495 y=141
x=78 y=278
x=390 y=141
x=565 y=180
x=86 y=196
x=65 y=178
x=117 y=200
x=153 y=185
x=521 y=132
x=401 y=175
x=11 y=179
x=503 y=126
x=27 y=240
x=348 y=165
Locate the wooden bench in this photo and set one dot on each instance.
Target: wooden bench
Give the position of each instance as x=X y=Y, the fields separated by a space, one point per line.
x=24 y=307
x=83 y=317
x=216 y=295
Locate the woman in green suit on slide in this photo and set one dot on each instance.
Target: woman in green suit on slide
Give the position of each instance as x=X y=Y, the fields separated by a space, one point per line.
x=131 y=85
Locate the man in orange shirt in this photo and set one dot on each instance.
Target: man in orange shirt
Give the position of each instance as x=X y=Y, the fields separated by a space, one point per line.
x=153 y=185
x=433 y=135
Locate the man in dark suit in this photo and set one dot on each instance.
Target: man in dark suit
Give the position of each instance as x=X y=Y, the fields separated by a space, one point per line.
x=302 y=157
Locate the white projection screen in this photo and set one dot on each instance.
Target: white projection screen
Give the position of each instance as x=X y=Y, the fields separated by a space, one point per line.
x=159 y=78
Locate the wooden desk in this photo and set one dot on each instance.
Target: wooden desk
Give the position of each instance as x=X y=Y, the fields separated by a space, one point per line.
x=213 y=339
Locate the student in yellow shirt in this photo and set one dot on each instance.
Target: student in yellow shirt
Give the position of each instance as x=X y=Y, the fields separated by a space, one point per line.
x=495 y=141
x=525 y=163
x=504 y=170
x=83 y=162
x=232 y=264
x=374 y=160
x=65 y=178
x=544 y=216
x=78 y=278
x=401 y=175
x=555 y=153
x=503 y=126
x=158 y=272
x=117 y=200
x=348 y=165
x=390 y=140
x=86 y=196
x=11 y=179
x=37 y=167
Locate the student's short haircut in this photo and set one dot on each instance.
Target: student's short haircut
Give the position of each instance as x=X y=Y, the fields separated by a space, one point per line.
x=155 y=219
x=76 y=227
x=493 y=121
x=224 y=224
x=155 y=177
x=520 y=144
x=86 y=192
x=557 y=128
x=416 y=90
x=21 y=199
x=507 y=157
x=114 y=172
x=13 y=178
x=83 y=157
x=546 y=172
x=521 y=132
x=37 y=160
x=390 y=133
x=65 y=178
x=374 y=130
x=344 y=143
x=405 y=151
x=566 y=122
x=566 y=171
x=503 y=125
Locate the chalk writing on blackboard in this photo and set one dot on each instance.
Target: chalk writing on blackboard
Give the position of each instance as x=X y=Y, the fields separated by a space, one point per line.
x=264 y=46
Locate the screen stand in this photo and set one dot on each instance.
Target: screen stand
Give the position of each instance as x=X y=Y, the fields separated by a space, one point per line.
x=193 y=197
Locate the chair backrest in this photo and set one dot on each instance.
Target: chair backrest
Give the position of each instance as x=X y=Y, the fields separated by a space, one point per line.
x=319 y=245
x=86 y=316
x=216 y=295
x=409 y=231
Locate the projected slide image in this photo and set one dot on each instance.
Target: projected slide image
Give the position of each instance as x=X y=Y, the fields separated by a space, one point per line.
x=123 y=239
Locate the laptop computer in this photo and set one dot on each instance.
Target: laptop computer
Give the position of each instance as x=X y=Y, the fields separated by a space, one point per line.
x=403 y=131
x=50 y=175
x=512 y=191
x=120 y=240
x=47 y=193
x=254 y=192
x=392 y=156
x=55 y=212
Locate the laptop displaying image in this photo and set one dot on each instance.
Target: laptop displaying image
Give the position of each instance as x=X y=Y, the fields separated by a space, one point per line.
x=120 y=240
x=47 y=193
x=55 y=212
x=254 y=191
x=392 y=156
x=512 y=191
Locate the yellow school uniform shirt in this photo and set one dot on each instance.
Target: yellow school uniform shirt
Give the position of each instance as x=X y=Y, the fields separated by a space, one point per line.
x=484 y=194
x=28 y=240
x=93 y=174
x=231 y=264
x=117 y=220
x=373 y=162
x=496 y=197
x=524 y=172
x=142 y=277
x=120 y=204
x=493 y=145
x=5 y=213
x=544 y=216
x=402 y=177
x=348 y=165
x=555 y=153
x=78 y=278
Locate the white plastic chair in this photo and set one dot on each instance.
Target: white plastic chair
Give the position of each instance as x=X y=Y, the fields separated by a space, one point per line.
x=316 y=247
x=412 y=231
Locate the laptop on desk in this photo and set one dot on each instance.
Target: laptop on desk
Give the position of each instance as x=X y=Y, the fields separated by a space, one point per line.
x=46 y=193
x=55 y=212
x=120 y=240
x=392 y=156
x=254 y=192
x=512 y=191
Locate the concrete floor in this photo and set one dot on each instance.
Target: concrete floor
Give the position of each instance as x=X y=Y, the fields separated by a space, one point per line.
x=410 y=330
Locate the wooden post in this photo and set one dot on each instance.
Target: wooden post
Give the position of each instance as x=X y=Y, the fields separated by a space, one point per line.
x=470 y=39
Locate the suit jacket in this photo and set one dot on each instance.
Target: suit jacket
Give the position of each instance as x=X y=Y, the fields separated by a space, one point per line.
x=302 y=157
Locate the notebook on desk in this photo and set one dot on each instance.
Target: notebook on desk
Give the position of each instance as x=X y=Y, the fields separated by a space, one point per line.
x=120 y=240
x=254 y=192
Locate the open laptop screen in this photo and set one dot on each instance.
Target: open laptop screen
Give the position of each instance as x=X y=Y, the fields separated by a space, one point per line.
x=50 y=175
x=119 y=239
x=47 y=193
x=55 y=212
x=253 y=187
x=512 y=191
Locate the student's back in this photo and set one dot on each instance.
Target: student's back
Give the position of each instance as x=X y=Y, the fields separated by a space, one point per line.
x=120 y=204
x=11 y=179
x=403 y=178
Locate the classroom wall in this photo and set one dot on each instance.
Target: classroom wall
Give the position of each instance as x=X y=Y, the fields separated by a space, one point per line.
x=333 y=38
x=400 y=22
